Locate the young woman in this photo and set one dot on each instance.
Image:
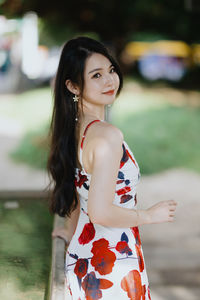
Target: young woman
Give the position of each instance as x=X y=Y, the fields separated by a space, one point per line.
x=95 y=175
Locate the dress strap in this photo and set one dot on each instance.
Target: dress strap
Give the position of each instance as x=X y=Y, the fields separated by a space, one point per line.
x=83 y=138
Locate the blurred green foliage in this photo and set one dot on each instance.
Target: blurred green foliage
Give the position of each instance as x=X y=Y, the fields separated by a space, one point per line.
x=113 y=21
x=25 y=252
x=33 y=148
x=162 y=138
x=160 y=133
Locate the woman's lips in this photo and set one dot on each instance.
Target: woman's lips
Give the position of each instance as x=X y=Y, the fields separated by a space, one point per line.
x=111 y=92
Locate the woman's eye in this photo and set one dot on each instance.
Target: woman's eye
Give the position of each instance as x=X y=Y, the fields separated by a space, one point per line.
x=96 y=75
x=112 y=70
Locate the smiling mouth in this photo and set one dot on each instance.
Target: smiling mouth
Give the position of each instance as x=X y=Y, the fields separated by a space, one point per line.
x=111 y=92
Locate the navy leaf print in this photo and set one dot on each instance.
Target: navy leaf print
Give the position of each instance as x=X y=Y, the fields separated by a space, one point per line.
x=124 y=237
x=125 y=155
x=127 y=181
x=121 y=175
x=79 y=281
x=86 y=186
x=75 y=256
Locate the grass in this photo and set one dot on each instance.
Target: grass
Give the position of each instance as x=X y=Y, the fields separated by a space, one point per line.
x=160 y=124
x=25 y=250
x=33 y=148
x=29 y=109
x=162 y=138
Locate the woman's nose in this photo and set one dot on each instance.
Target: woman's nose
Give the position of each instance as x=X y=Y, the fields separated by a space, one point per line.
x=109 y=79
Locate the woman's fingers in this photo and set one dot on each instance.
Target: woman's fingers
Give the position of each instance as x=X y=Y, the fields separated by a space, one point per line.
x=172 y=207
x=54 y=233
x=171 y=219
x=57 y=231
x=172 y=214
x=60 y=232
x=172 y=202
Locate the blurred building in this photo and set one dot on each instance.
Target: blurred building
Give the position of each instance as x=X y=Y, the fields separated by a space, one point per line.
x=23 y=62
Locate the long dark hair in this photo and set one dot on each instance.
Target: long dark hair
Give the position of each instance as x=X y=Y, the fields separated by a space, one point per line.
x=62 y=160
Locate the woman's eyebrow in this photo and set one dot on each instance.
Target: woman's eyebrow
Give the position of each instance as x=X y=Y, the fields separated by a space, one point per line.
x=97 y=69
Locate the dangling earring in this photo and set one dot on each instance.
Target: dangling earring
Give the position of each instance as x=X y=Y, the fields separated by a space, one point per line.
x=75 y=98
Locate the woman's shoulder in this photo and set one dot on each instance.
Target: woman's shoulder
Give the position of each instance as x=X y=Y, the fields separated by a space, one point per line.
x=107 y=132
x=100 y=142
x=104 y=138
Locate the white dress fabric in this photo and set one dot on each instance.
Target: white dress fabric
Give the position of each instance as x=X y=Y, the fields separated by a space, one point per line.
x=107 y=262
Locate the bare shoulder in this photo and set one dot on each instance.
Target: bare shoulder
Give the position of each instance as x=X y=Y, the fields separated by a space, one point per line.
x=106 y=134
x=112 y=133
x=103 y=143
x=106 y=142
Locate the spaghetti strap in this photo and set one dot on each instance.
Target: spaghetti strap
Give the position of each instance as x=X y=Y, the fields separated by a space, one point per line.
x=82 y=141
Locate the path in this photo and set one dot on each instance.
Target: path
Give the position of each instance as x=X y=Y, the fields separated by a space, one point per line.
x=172 y=250
x=18 y=176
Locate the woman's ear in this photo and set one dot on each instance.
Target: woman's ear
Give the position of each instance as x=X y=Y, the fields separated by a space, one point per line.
x=73 y=88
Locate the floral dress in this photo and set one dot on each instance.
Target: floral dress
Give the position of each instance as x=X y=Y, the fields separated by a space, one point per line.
x=107 y=262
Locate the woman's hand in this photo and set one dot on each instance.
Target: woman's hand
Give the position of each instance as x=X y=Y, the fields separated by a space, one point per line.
x=60 y=232
x=163 y=211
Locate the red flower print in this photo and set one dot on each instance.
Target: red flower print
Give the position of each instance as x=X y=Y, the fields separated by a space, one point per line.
x=92 y=286
x=131 y=157
x=131 y=283
x=123 y=247
x=69 y=289
x=149 y=293
x=135 y=198
x=140 y=257
x=87 y=234
x=120 y=181
x=81 y=267
x=103 y=259
x=143 y=292
x=102 y=243
x=125 y=198
x=124 y=190
x=136 y=234
x=82 y=179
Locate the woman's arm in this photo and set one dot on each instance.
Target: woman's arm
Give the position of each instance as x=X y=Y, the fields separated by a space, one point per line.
x=106 y=156
x=70 y=224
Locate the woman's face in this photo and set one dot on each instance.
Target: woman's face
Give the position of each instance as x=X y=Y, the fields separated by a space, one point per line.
x=99 y=78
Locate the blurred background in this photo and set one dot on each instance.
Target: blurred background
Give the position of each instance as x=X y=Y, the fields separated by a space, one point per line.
x=157 y=44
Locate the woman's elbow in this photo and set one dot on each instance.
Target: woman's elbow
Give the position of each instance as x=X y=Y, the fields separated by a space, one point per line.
x=99 y=218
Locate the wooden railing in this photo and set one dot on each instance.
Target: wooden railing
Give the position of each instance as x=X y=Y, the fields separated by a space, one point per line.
x=57 y=279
